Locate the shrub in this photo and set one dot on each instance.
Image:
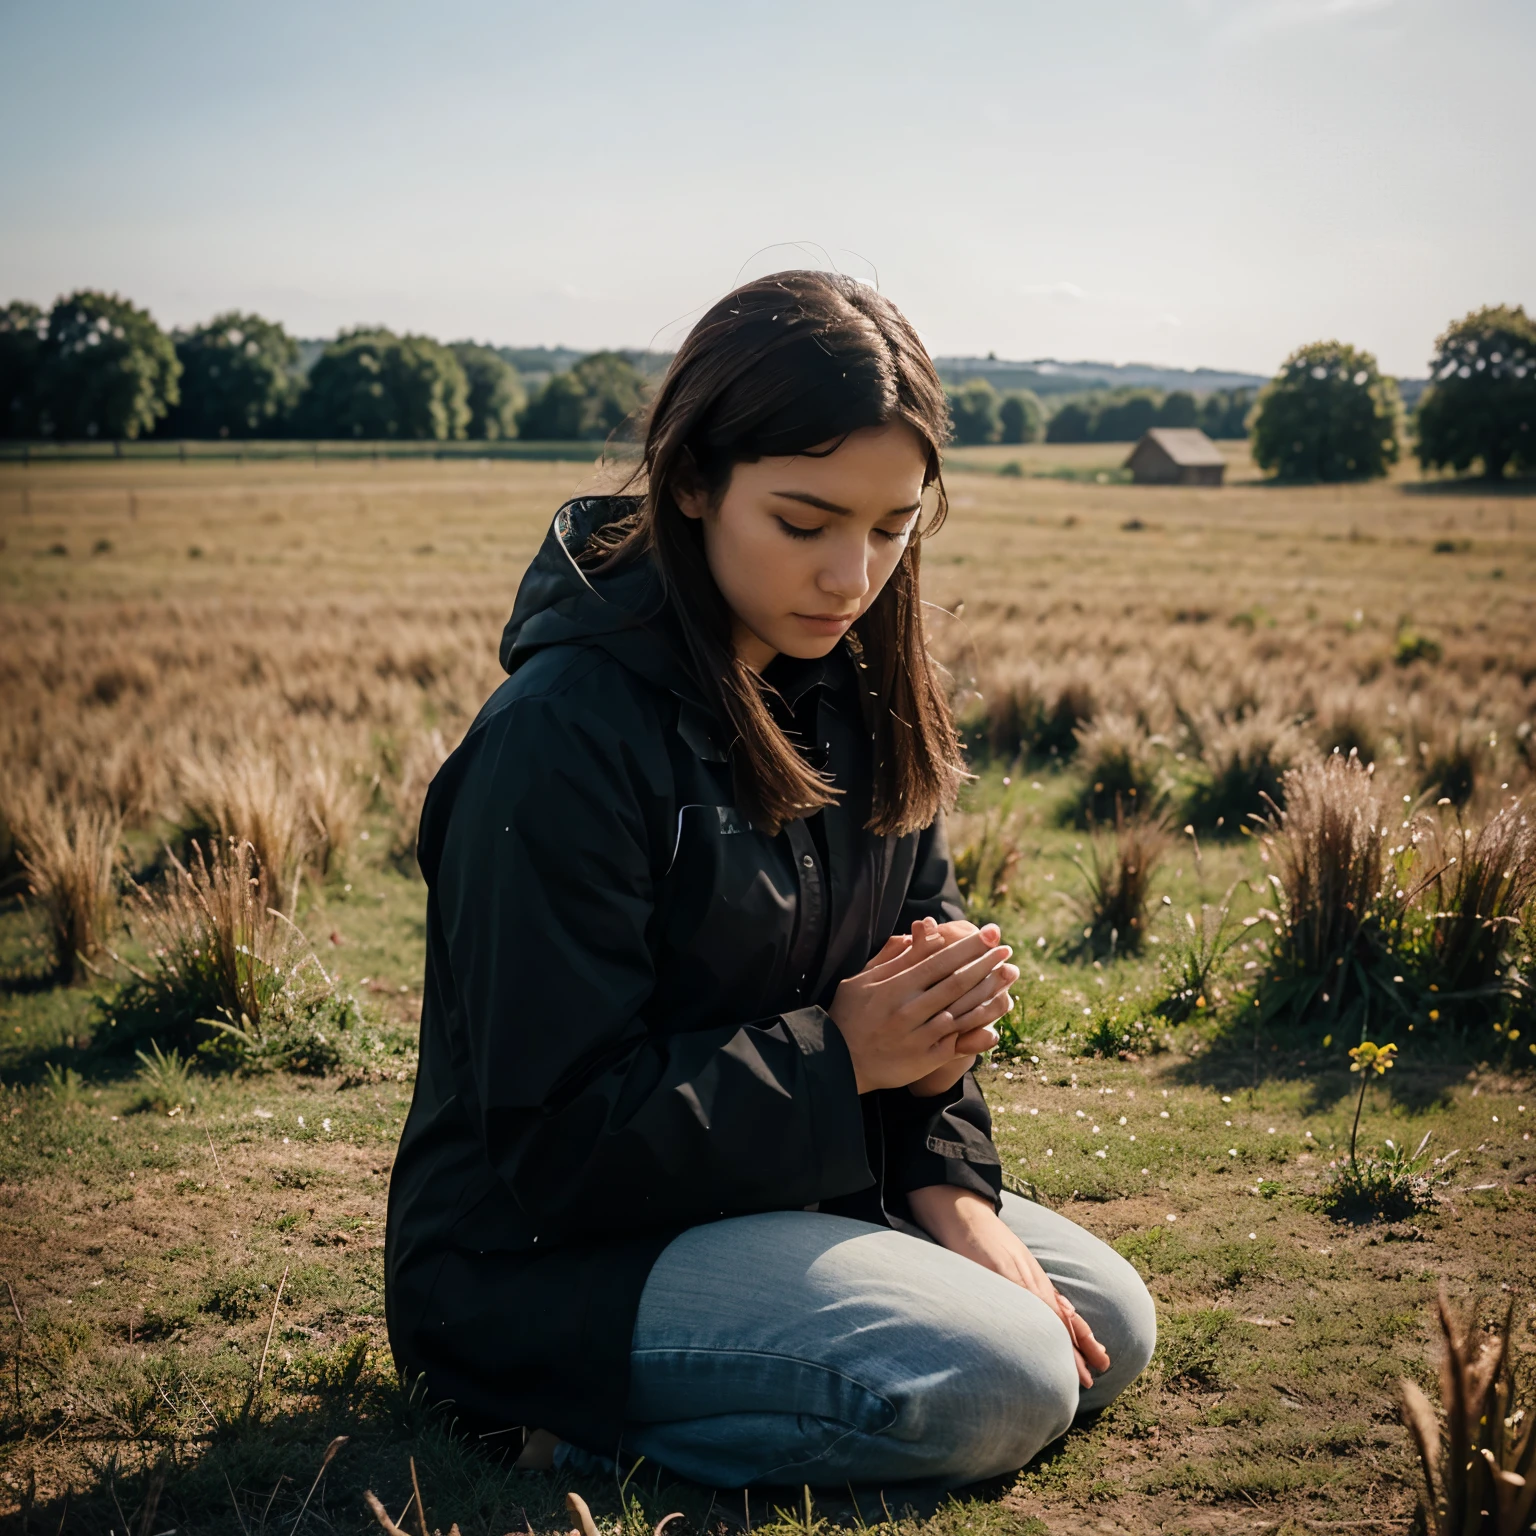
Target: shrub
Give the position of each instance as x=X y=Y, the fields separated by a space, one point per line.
x=69 y=855
x=1327 y=415
x=227 y=976
x=1119 y=767
x=1118 y=873
x=1243 y=766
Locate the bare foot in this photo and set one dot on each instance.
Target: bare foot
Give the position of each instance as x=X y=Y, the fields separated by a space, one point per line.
x=538 y=1454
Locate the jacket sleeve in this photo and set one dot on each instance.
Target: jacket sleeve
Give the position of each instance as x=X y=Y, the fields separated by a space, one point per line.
x=595 y=1122
x=946 y=1139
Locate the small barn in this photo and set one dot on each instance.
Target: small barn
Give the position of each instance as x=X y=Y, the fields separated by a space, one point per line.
x=1176 y=456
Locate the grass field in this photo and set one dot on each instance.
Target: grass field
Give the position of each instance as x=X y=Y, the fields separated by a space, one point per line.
x=195 y=1304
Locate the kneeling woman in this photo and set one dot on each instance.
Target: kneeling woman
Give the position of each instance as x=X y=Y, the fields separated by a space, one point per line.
x=696 y=1167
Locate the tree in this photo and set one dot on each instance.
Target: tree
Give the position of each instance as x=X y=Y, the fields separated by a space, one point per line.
x=1327 y=415
x=104 y=369
x=239 y=378
x=1224 y=412
x=586 y=403
x=372 y=384
x=1125 y=418
x=1021 y=417
x=1072 y=423
x=495 y=391
x=1178 y=410
x=21 y=342
x=1481 y=402
x=973 y=408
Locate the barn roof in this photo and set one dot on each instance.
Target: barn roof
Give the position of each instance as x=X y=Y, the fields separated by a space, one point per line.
x=1187 y=446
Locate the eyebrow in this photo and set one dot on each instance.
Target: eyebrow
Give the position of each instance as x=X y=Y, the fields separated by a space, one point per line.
x=831 y=506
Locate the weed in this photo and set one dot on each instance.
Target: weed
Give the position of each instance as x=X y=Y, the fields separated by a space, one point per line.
x=63 y=1085
x=245 y=798
x=1192 y=959
x=165 y=1081
x=1382 y=1186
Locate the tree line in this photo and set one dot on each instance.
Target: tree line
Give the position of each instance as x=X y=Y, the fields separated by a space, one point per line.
x=983 y=415
x=96 y=366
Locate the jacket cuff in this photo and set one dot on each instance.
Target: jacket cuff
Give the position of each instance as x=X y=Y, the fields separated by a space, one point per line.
x=945 y=1139
x=837 y=1118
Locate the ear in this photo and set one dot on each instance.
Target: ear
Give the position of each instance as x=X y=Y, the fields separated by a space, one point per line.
x=688 y=488
x=690 y=498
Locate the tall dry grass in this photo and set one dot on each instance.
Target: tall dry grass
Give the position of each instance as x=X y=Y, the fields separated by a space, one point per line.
x=1481 y=889
x=224 y=964
x=1118 y=872
x=69 y=856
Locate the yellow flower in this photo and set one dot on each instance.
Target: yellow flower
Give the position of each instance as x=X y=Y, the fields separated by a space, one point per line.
x=1367 y=1057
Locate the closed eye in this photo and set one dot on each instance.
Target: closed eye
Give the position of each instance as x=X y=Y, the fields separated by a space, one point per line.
x=797 y=533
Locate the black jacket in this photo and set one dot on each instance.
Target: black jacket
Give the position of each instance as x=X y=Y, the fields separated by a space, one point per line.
x=622 y=1029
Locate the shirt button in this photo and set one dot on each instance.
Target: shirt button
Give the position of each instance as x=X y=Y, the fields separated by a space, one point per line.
x=808 y=861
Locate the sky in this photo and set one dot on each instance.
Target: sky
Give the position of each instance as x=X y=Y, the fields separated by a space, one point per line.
x=1183 y=182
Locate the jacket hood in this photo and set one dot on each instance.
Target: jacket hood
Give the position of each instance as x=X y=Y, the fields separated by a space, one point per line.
x=624 y=612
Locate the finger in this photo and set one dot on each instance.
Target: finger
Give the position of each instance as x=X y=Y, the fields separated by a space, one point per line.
x=1084 y=1379
x=944 y=962
x=1082 y=1336
x=990 y=987
x=975 y=1042
x=985 y=1015
x=967 y=987
x=903 y=950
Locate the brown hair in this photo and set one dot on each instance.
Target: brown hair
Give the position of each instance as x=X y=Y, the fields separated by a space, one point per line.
x=779 y=367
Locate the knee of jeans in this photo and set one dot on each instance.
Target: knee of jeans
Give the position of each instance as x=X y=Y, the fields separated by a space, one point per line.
x=1001 y=1407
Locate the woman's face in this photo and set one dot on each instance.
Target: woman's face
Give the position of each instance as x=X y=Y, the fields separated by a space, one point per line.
x=800 y=547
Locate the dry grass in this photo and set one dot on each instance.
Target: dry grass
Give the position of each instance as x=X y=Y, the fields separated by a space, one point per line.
x=69 y=855
x=326 y=647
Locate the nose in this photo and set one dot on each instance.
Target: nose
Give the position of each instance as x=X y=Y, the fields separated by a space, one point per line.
x=845 y=575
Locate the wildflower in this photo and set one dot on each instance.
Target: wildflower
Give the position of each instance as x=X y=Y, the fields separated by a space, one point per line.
x=1366 y=1057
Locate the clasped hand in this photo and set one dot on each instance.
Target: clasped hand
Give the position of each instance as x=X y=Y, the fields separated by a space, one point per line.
x=922 y=1010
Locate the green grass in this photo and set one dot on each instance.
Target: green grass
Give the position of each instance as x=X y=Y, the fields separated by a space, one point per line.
x=145 y=1251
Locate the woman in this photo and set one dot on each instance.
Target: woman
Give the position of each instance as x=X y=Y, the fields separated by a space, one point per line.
x=696 y=1166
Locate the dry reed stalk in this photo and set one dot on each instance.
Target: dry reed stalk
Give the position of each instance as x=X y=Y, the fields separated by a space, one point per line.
x=69 y=854
x=334 y=803
x=424 y=753
x=1245 y=762
x=1482 y=1482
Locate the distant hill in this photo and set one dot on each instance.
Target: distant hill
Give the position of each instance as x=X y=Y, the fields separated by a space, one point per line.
x=1049 y=376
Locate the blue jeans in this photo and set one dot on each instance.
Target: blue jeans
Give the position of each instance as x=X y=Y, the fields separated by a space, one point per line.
x=795 y=1347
